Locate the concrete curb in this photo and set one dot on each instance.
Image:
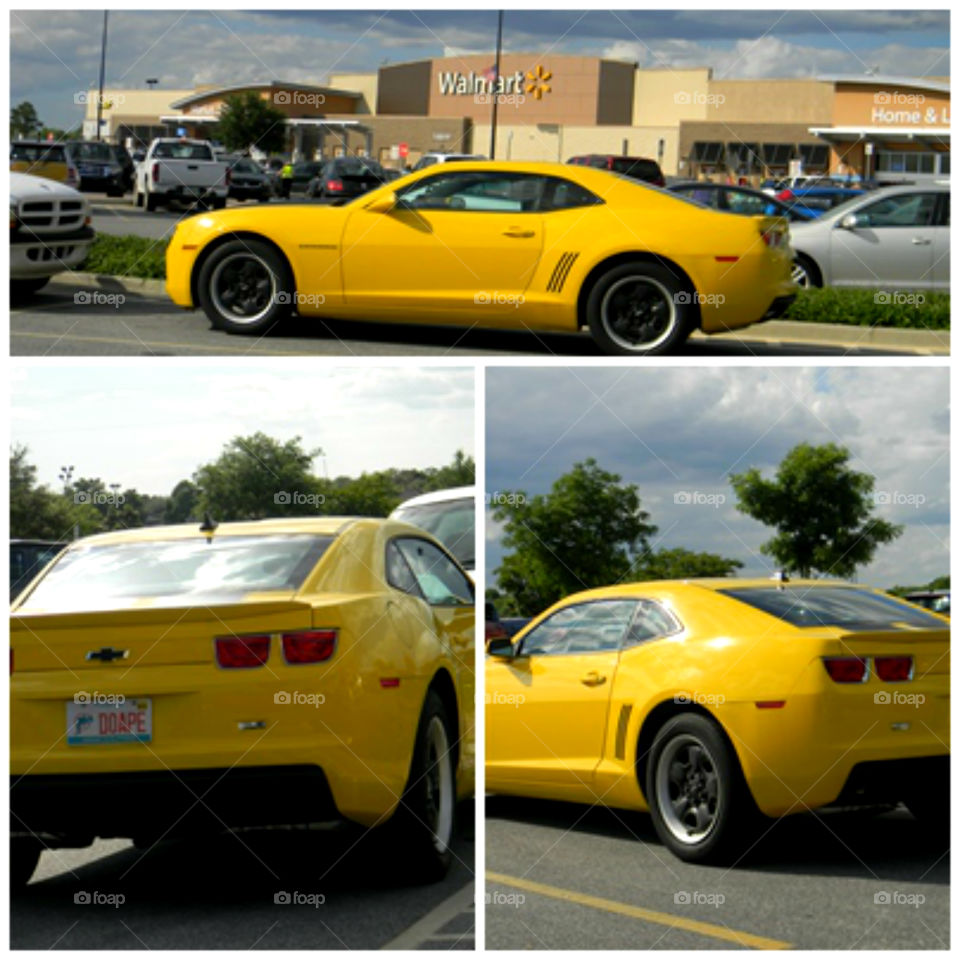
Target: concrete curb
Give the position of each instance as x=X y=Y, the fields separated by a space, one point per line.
x=932 y=342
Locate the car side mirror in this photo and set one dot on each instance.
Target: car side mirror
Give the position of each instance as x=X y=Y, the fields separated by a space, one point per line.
x=849 y=222
x=383 y=203
x=501 y=647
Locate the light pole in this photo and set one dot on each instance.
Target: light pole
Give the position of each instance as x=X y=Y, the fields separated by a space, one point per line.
x=103 y=64
x=496 y=84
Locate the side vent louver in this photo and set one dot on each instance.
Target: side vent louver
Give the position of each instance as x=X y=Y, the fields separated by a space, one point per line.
x=621 y=747
x=560 y=271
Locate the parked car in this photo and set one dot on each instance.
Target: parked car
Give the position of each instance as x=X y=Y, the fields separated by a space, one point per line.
x=812 y=202
x=101 y=168
x=513 y=625
x=447 y=515
x=713 y=704
x=639 y=168
x=429 y=159
x=287 y=671
x=248 y=181
x=345 y=178
x=897 y=237
x=526 y=246
x=936 y=600
x=44 y=158
x=803 y=181
x=741 y=200
x=179 y=170
x=50 y=231
x=27 y=559
x=303 y=174
x=493 y=628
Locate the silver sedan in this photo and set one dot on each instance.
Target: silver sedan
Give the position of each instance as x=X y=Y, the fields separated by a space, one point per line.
x=893 y=236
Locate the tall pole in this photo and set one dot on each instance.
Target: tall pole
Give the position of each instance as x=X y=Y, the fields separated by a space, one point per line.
x=496 y=85
x=103 y=65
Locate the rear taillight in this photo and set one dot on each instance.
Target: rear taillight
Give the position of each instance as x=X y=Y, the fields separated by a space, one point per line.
x=846 y=669
x=894 y=669
x=772 y=238
x=334 y=185
x=785 y=195
x=309 y=646
x=228 y=177
x=241 y=652
x=155 y=173
x=659 y=182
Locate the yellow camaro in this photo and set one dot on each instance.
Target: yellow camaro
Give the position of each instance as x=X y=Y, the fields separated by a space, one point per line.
x=710 y=703
x=514 y=246
x=170 y=680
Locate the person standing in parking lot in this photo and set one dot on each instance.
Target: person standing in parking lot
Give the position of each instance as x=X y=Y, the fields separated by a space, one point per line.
x=286 y=180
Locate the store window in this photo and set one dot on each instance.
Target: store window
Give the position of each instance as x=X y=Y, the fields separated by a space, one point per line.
x=892 y=161
x=815 y=157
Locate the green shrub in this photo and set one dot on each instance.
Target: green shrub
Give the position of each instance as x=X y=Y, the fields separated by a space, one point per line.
x=127 y=256
x=918 y=310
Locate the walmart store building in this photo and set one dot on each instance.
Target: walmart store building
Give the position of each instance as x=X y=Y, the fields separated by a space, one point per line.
x=553 y=107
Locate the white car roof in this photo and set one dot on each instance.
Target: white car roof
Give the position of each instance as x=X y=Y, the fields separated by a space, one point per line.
x=438 y=496
x=27 y=185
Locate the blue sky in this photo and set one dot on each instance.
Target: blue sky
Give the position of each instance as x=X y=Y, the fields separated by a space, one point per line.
x=683 y=431
x=55 y=55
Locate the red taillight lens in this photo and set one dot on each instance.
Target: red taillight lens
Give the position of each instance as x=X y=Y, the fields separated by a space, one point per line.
x=846 y=669
x=155 y=172
x=785 y=195
x=241 y=652
x=772 y=238
x=228 y=177
x=894 y=669
x=334 y=185
x=310 y=646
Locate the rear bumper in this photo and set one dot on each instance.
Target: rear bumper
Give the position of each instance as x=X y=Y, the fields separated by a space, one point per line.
x=779 y=307
x=151 y=803
x=882 y=781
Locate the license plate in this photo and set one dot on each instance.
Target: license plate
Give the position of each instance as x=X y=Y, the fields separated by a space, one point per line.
x=128 y=722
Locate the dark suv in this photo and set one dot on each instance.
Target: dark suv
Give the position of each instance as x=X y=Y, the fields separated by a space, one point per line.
x=639 y=168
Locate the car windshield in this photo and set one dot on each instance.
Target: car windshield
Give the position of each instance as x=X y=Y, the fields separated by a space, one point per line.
x=100 y=152
x=847 y=607
x=245 y=166
x=450 y=521
x=182 y=151
x=159 y=573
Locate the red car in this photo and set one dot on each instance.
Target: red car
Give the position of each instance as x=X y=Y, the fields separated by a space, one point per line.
x=640 y=168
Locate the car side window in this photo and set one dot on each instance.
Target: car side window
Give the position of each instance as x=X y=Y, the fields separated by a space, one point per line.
x=592 y=627
x=748 y=204
x=901 y=210
x=560 y=194
x=399 y=574
x=475 y=191
x=439 y=579
x=652 y=620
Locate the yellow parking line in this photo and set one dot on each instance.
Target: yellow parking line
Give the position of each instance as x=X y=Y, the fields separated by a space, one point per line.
x=639 y=913
x=159 y=344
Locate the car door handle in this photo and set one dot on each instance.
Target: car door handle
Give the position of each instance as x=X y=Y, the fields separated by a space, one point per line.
x=921 y=241
x=593 y=679
x=518 y=232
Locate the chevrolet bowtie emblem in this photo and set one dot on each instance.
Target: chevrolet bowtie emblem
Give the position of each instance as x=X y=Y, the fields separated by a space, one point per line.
x=107 y=654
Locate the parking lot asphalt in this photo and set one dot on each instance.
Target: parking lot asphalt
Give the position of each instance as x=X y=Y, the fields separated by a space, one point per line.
x=567 y=876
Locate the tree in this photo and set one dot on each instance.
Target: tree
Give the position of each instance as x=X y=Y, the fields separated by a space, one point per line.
x=369 y=495
x=460 y=472
x=182 y=503
x=588 y=531
x=24 y=121
x=678 y=563
x=820 y=508
x=256 y=477
x=247 y=120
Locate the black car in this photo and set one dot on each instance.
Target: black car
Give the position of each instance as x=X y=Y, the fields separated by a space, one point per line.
x=100 y=168
x=731 y=198
x=345 y=178
x=27 y=559
x=248 y=181
x=303 y=174
x=637 y=168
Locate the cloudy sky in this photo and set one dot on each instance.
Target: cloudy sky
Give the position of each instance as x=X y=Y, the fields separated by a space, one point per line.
x=55 y=55
x=151 y=427
x=684 y=430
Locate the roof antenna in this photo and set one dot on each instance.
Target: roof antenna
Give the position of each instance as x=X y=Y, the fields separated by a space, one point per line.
x=208 y=526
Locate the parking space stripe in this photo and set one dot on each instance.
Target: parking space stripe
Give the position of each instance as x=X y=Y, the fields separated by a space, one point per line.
x=159 y=344
x=640 y=913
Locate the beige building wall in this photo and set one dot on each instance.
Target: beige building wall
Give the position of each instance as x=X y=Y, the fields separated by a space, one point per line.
x=121 y=104
x=664 y=97
x=362 y=83
x=770 y=101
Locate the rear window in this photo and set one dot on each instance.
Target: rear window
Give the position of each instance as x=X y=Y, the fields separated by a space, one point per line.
x=37 y=153
x=175 y=572
x=182 y=151
x=99 y=152
x=642 y=169
x=352 y=166
x=845 y=607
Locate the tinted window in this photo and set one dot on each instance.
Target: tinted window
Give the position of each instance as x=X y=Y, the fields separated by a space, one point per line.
x=399 y=574
x=835 y=607
x=440 y=581
x=580 y=628
x=27 y=560
x=245 y=166
x=175 y=572
x=450 y=521
x=477 y=191
x=564 y=194
x=98 y=152
x=902 y=210
x=37 y=153
x=651 y=621
x=748 y=204
x=354 y=166
x=638 y=169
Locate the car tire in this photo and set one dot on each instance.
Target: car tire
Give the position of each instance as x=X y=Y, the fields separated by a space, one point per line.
x=640 y=309
x=22 y=289
x=252 y=275
x=422 y=828
x=24 y=857
x=717 y=821
x=219 y=203
x=805 y=272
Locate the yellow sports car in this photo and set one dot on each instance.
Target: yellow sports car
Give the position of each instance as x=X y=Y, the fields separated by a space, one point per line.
x=711 y=702
x=170 y=680
x=514 y=246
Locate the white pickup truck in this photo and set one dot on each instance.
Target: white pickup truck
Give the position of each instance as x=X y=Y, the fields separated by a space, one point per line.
x=187 y=171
